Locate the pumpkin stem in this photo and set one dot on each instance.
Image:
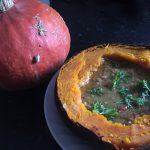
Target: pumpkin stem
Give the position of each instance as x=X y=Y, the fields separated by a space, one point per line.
x=5 y=5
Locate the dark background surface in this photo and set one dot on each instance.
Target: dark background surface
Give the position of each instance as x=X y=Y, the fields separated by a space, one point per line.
x=91 y=22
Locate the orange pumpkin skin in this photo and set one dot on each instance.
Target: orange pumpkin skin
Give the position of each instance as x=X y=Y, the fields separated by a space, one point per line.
x=35 y=41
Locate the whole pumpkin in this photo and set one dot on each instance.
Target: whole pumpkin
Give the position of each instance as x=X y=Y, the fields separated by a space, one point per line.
x=34 y=42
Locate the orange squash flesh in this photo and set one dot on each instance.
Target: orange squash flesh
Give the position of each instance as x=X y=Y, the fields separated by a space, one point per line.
x=77 y=72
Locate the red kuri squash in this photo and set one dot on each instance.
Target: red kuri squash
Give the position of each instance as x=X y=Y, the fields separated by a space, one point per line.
x=35 y=41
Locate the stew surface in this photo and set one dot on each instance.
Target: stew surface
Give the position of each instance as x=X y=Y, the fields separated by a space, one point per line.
x=119 y=90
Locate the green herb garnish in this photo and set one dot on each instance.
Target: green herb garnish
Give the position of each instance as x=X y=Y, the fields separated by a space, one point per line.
x=119 y=77
x=145 y=89
x=108 y=112
x=130 y=100
x=126 y=96
x=96 y=91
x=145 y=85
x=139 y=101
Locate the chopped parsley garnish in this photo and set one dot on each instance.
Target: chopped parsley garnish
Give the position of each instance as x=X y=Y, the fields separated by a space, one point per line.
x=145 y=85
x=139 y=101
x=108 y=112
x=126 y=96
x=119 y=77
x=96 y=91
x=145 y=90
x=130 y=100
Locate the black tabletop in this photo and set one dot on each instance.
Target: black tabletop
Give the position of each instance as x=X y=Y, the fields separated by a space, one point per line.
x=91 y=22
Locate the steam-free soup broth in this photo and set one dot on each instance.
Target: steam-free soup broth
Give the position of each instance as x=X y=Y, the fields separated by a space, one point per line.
x=119 y=90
